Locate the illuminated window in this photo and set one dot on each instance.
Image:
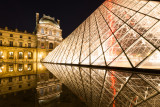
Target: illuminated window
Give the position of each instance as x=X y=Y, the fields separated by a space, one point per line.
x=42 y=31
x=50 y=32
x=50 y=45
x=10 y=55
x=11 y=43
x=10 y=68
x=57 y=34
x=29 y=45
x=29 y=67
x=29 y=55
x=21 y=36
x=20 y=86
x=0 y=70
x=42 y=45
x=11 y=35
x=10 y=79
x=20 y=78
x=29 y=84
x=20 y=44
x=1 y=55
x=10 y=88
x=20 y=55
x=29 y=77
x=20 y=67
x=0 y=42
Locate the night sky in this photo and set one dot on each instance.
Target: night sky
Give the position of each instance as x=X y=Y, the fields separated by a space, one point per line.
x=21 y=13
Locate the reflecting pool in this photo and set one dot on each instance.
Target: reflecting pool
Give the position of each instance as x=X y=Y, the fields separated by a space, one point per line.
x=32 y=85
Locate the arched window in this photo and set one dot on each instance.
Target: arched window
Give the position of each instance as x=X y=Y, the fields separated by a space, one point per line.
x=20 y=55
x=50 y=32
x=42 y=30
x=50 y=45
x=30 y=55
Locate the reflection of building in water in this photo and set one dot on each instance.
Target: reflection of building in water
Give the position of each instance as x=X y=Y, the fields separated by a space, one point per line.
x=16 y=81
x=16 y=46
x=19 y=77
x=48 y=87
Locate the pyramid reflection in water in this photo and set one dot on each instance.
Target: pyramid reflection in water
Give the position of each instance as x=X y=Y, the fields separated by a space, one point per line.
x=103 y=87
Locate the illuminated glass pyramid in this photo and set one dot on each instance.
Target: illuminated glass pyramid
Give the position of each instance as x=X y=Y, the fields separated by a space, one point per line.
x=120 y=33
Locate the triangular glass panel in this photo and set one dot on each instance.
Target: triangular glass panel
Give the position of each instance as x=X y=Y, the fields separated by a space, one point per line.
x=138 y=51
x=100 y=61
x=121 y=31
x=112 y=53
x=128 y=39
x=76 y=61
x=148 y=7
x=86 y=61
x=152 y=62
x=155 y=12
x=96 y=54
x=145 y=24
x=108 y=43
x=153 y=35
x=135 y=19
x=121 y=61
x=84 y=54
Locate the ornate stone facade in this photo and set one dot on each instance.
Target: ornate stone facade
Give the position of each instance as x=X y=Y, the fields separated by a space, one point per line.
x=24 y=48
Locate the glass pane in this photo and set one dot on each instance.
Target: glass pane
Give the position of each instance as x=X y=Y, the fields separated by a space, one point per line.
x=135 y=19
x=121 y=61
x=145 y=24
x=96 y=54
x=121 y=31
x=153 y=35
x=100 y=61
x=152 y=62
x=128 y=39
x=139 y=5
x=112 y=53
x=155 y=12
x=139 y=50
x=149 y=6
x=108 y=43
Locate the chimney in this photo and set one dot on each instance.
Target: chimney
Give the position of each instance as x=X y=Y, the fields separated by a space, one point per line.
x=6 y=28
x=37 y=18
x=58 y=21
x=16 y=30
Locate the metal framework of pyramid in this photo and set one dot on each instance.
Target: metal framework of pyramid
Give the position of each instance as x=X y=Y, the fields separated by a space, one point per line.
x=123 y=33
x=120 y=33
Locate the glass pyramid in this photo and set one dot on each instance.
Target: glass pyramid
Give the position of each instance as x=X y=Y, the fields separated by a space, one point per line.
x=120 y=33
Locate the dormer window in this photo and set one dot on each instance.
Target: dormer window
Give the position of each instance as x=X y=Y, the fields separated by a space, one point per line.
x=57 y=34
x=42 y=30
